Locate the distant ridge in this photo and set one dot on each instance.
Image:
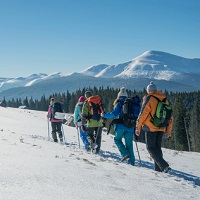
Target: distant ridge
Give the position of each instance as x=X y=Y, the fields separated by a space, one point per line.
x=168 y=71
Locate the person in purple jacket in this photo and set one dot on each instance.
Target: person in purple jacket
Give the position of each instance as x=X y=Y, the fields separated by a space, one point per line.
x=56 y=124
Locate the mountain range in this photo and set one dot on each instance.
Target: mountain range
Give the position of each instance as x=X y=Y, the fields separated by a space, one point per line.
x=168 y=71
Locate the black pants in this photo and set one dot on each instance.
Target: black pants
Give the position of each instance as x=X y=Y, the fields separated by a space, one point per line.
x=153 y=144
x=94 y=135
x=56 y=128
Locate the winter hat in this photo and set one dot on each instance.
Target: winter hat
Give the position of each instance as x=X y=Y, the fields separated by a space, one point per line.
x=151 y=87
x=122 y=93
x=52 y=101
x=88 y=94
x=81 y=99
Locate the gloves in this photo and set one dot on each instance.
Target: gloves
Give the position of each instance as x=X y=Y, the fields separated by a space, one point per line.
x=168 y=135
x=83 y=128
x=137 y=132
x=104 y=122
x=76 y=125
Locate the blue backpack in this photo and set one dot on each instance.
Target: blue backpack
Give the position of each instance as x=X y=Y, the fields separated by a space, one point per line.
x=131 y=109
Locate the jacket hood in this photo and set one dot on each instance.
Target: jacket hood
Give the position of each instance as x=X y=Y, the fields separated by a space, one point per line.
x=157 y=94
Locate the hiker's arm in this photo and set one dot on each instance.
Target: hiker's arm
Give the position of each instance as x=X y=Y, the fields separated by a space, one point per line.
x=114 y=113
x=75 y=115
x=49 y=112
x=144 y=112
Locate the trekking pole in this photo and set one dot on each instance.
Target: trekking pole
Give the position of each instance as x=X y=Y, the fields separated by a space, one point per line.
x=63 y=134
x=138 y=151
x=78 y=138
x=48 y=129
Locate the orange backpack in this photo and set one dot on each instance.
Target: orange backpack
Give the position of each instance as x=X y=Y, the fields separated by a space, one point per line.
x=96 y=107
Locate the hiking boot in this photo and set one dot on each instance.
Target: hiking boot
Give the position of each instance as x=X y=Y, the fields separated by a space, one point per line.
x=167 y=169
x=88 y=149
x=125 y=158
x=61 y=140
x=94 y=145
x=55 y=140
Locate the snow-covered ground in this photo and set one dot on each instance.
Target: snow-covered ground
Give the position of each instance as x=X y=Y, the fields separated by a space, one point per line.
x=33 y=168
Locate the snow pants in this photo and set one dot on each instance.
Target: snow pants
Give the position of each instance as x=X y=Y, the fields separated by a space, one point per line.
x=56 y=128
x=83 y=136
x=127 y=148
x=94 y=136
x=153 y=144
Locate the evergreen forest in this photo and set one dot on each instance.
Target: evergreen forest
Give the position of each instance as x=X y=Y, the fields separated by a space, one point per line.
x=186 y=112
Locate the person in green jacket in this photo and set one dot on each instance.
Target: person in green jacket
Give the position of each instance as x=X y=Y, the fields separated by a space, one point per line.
x=91 y=114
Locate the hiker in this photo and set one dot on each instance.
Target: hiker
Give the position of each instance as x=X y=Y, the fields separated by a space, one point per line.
x=78 y=123
x=91 y=114
x=121 y=131
x=153 y=134
x=56 y=124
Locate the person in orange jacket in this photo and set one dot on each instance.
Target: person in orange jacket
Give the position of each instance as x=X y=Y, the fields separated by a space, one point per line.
x=153 y=134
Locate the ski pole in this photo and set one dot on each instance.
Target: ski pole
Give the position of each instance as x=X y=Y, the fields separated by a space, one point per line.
x=78 y=138
x=48 y=128
x=63 y=134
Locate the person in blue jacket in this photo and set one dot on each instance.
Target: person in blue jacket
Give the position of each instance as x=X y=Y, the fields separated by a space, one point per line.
x=121 y=131
x=78 y=123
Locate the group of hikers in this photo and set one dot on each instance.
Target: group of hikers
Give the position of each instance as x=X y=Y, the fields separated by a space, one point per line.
x=89 y=118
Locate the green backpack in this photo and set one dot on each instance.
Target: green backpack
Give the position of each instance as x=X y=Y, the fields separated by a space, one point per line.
x=163 y=114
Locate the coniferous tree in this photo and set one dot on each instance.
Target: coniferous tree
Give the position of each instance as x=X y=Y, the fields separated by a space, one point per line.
x=26 y=103
x=179 y=132
x=194 y=127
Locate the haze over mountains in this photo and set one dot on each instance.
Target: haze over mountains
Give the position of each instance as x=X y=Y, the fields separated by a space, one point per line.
x=168 y=71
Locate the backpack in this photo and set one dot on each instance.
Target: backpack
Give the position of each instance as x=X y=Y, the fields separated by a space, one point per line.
x=163 y=113
x=96 y=107
x=131 y=109
x=56 y=107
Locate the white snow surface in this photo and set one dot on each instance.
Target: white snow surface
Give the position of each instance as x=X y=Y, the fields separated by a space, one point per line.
x=34 y=168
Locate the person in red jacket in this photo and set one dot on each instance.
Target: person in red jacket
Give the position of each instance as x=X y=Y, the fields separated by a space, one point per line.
x=153 y=134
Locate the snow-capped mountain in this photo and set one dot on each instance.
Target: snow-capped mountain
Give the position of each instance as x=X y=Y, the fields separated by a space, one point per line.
x=159 y=65
x=168 y=71
x=7 y=83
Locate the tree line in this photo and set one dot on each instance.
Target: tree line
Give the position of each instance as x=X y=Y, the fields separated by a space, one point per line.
x=186 y=112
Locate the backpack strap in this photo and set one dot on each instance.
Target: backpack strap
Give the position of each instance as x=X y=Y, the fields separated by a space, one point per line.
x=164 y=100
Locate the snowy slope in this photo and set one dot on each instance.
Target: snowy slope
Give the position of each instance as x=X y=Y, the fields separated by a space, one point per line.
x=94 y=70
x=162 y=66
x=34 y=168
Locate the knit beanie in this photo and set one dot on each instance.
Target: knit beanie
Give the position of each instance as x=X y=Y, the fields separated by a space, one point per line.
x=52 y=101
x=122 y=93
x=151 y=87
x=88 y=94
x=81 y=99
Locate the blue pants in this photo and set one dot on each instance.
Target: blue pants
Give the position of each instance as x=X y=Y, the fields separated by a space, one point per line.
x=126 y=148
x=83 y=136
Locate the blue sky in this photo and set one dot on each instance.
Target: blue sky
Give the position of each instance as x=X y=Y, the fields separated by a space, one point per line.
x=46 y=36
